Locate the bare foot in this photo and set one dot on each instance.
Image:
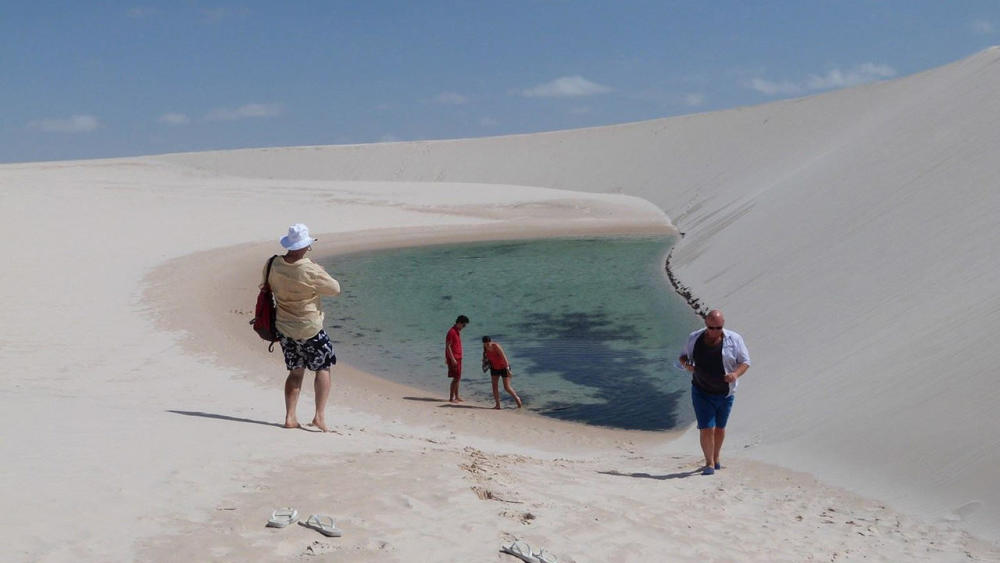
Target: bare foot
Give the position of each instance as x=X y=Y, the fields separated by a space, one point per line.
x=452 y=400
x=496 y=408
x=292 y=424
x=319 y=424
x=459 y=400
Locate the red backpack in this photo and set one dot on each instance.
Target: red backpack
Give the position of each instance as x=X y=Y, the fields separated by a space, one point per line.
x=263 y=320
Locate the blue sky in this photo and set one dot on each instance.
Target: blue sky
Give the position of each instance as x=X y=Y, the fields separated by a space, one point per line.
x=91 y=80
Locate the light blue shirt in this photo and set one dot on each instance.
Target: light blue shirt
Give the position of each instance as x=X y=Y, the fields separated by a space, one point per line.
x=734 y=352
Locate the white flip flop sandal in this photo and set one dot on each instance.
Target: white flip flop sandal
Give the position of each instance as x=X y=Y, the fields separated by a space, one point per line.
x=282 y=517
x=323 y=524
x=546 y=557
x=520 y=550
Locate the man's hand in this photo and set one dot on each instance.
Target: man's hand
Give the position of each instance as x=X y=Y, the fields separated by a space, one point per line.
x=730 y=377
x=685 y=363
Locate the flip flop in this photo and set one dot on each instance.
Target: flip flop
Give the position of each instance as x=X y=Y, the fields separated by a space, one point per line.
x=282 y=517
x=520 y=550
x=546 y=557
x=323 y=524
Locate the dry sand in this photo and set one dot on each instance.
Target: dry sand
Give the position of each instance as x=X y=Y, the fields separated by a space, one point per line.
x=850 y=237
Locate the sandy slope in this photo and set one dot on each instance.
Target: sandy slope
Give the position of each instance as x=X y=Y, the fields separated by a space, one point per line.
x=848 y=236
x=851 y=237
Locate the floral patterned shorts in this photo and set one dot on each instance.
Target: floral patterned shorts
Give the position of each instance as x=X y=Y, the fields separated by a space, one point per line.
x=314 y=354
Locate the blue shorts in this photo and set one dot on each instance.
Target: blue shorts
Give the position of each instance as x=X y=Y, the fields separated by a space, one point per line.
x=712 y=411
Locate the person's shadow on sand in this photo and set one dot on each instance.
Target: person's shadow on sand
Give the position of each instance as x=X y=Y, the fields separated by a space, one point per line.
x=680 y=475
x=460 y=406
x=447 y=405
x=235 y=419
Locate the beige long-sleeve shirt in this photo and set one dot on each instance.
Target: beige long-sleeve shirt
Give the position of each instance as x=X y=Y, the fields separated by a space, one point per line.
x=298 y=288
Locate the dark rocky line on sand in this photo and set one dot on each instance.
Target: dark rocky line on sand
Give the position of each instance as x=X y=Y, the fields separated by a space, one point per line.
x=682 y=290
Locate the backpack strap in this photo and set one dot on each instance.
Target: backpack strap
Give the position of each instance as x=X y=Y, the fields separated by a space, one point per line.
x=267 y=286
x=267 y=276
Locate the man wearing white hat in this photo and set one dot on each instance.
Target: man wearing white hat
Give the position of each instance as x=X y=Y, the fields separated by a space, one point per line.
x=298 y=284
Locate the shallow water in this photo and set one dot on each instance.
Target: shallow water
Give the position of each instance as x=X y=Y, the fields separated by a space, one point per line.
x=591 y=326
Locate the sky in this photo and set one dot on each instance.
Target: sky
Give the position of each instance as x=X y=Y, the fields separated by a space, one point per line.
x=83 y=80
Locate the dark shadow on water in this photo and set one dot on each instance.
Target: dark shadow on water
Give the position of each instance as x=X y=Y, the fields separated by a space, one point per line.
x=681 y=475
x=578 y=347
x=428 y=399
x=225 y=417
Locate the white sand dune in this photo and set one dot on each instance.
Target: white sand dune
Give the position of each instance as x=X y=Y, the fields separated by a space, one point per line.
x=850 y=237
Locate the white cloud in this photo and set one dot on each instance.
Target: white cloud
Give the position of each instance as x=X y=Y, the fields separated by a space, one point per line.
x=74 y=124
x=450 y=98
x=771 y=88
x=245 y=112
x=835 y=78
x=141 y=12
x=216 y=15
x=982 y=27
x=694 y=99
x=861 y=74
x=566 y=87
x=174 y=119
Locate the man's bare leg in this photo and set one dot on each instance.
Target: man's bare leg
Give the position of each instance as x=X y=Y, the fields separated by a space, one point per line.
x=454 y=398
x=718 y=437
x=707 y=436
x=496 y=391
x=322 y=386
x=293 y=385
x=509 y=389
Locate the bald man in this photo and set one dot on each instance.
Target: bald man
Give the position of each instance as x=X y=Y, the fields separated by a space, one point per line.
x=716 y=358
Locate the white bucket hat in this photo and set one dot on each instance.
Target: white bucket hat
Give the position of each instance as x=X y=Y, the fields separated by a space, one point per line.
x=297 y=237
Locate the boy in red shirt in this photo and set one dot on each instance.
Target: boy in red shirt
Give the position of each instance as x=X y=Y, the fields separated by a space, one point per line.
x=453 y=356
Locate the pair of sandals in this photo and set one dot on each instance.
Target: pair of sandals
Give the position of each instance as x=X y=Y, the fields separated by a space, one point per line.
x=320 y=522
x=522 y=551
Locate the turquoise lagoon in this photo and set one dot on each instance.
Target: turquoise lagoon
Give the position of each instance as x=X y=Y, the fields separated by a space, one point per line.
x=591 y=326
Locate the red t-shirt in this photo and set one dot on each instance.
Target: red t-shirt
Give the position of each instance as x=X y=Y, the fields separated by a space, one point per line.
x=495 y=358
x=455 y=341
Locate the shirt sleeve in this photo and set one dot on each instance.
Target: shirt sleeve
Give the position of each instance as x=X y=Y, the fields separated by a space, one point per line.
x=742 y=354
x=449 y=341
x=322 y=282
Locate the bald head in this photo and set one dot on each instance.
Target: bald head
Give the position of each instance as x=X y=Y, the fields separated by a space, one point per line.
x=714 y=319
